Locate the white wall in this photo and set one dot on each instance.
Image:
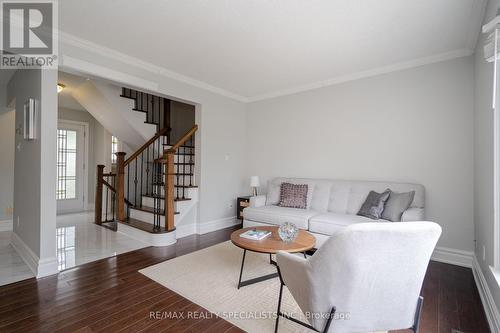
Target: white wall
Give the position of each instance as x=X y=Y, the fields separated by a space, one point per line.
x=483 y=160
x=7 y=130
x=35 y=174
x=220 y=141
x=410 y=126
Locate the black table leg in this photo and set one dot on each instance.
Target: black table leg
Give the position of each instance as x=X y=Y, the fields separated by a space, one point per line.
x=258 y=279
x=241 y=270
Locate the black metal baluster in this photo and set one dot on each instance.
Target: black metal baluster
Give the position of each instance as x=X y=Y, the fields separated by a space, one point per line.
x=177 y=173
x=147 y=171
x=135 y=184
x=128 y=182
x=184 y=174
x=106 y=205
x=191 y=163
x=142 y=166
x=113 y=202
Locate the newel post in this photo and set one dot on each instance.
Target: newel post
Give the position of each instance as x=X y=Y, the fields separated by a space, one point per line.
x=169 y=189
x=120 y=186
x=98 y=195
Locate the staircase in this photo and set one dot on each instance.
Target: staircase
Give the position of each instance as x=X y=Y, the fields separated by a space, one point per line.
x=154 y=188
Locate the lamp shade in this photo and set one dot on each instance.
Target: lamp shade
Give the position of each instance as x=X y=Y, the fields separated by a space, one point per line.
x=254 y=181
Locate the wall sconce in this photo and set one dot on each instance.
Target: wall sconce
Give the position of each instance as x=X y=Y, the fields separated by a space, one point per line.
x=30 y=119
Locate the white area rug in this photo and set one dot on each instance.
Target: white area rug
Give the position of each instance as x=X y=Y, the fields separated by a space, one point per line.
x=209 y=278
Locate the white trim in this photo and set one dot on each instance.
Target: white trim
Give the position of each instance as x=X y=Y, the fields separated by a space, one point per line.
x=478 y=9
x=86 y=148
x=214 y=225
x=40 y=268
x=103 y=72
x=453 y=256
x=147 y=237
x=365 y=74
x=138 y=63
x=490 y=308
x=6 y=225
x=84 y=67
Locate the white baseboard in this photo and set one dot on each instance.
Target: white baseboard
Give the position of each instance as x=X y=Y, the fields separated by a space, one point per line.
x=6 y=225
x=40 y=268
x=214 y=225
x=489 y=306
x=185 y=230
x=453 y=256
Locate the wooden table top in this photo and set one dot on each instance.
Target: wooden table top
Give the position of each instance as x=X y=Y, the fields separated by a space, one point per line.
x=272 y=244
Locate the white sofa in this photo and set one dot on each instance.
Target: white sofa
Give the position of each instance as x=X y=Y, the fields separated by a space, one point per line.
x=331 y=205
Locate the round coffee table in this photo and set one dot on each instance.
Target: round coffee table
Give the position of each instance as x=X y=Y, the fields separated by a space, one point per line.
x=271 y=244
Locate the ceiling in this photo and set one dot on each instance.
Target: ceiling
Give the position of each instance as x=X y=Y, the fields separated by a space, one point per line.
x=71 y=82
x=259 y=48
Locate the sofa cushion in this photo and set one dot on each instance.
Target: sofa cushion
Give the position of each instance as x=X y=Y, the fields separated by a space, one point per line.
x=293 y=195
x=274 y=189
x=397 y=204
x=278 y=215
x=329 y=223
x=374 y=204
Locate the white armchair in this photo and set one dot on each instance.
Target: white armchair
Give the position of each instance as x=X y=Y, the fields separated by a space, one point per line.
x=370 y=274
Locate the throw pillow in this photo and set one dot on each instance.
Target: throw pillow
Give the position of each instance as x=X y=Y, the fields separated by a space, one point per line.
x=293 y=195
x=374 y=204
x=396 y=205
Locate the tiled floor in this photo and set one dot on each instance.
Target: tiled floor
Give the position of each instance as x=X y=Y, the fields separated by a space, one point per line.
x=12 y=267
x=79 y=241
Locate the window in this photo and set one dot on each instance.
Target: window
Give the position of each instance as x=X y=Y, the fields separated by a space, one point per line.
x=66 y=164
x=114 y=148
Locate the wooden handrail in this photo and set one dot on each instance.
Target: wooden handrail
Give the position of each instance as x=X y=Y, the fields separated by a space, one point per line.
x=146 y=145
x=184 y=138
x=108 y=185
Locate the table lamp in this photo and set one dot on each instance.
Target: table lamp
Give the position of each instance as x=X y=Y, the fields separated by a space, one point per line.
x=254 y=184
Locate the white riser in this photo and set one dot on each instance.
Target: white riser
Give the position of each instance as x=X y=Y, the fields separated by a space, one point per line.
x=183 y=207
x=148 y=238
x=148 y=217
x=191 y=193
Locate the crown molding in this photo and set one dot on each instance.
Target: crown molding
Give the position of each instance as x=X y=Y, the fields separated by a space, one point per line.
x=149 y=67
x=478 y=10
x=365 y=74
x=144 y=65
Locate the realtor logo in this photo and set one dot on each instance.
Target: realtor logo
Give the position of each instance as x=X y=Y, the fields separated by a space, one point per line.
x=28 y=34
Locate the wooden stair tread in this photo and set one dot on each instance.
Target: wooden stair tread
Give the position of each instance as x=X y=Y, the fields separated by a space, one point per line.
x=163 y=197
x=151 y=210
x=183 y=146
x=144 y=226
x=164 y=161
x=176 y=185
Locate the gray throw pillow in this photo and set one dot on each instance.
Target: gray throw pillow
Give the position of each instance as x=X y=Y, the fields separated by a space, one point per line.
x=396 y=205
x=293 y=196
x=374 y=204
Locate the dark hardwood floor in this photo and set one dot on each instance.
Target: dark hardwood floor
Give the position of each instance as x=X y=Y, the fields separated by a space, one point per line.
x=110 y=295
